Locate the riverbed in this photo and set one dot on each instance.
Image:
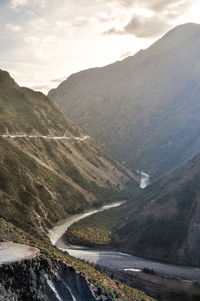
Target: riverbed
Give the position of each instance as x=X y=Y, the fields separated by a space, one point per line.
x=116 y=260
x=59 y=230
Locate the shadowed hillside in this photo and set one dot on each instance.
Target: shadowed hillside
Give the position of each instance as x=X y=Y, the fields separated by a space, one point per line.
x=145 y=109
x=161 y=222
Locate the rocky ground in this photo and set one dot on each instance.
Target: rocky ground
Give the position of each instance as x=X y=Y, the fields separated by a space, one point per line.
x=12 y=252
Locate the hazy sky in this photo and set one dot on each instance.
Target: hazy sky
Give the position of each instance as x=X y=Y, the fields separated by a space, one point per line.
x=44 y=41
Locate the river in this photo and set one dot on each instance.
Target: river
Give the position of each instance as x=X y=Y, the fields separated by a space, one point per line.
x=112 y=259
x=145 y=181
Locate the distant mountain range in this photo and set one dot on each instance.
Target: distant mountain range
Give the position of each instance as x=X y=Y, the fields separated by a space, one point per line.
x=43 y=180
x=146 y=108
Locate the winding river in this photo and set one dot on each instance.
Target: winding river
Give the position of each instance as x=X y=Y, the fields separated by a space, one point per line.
x=112 y=259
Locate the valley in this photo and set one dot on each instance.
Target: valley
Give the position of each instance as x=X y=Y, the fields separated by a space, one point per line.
x=157 y=279
x=54 y=275
x=50 y=170
x=144 y=108
x=59 y=230
x=160 y=222
x=47 y=161
x=104 y=206
x=113 y=259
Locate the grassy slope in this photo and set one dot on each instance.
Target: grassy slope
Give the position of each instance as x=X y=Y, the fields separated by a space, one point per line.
x=114 y=289
x=162 y=222
x=42 y=181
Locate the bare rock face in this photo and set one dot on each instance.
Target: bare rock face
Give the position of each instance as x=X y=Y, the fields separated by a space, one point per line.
x=144 y=108
x=42 y=281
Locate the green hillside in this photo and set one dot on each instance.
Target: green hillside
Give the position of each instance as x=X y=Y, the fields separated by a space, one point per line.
x=45 y=180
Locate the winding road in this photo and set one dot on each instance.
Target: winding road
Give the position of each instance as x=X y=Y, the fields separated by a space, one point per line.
x=45 y=137
x=116 y=260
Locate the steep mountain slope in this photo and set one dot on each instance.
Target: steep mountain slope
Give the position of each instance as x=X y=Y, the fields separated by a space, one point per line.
x=42 y=179
x=145 y=109
x=56 y=276
x=162 y=222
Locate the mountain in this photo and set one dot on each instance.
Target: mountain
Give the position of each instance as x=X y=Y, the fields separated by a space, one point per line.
x=145 y=109
x=161 y=222
x=49 y=170
x=45 y=177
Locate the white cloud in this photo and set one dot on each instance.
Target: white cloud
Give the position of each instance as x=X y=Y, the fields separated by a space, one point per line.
x=125 y=54
x=13 y=27
x=142 y=27
x=16 y=3
x=65 y=36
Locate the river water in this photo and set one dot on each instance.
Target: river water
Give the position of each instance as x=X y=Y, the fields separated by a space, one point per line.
x=59 y=230
x=145 y=181
x=116 y=260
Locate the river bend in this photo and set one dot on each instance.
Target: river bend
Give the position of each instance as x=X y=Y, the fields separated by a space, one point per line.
x=116 y=260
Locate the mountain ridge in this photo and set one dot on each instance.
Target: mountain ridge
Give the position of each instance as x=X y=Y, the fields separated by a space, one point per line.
x=160 y=223
x=142 y=108
x=44 y=179
x=40 y=175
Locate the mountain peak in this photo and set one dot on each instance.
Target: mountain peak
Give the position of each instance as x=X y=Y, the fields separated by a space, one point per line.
x=186 y=30
x=143 y=97
x=187 y=25
x=6 y=79
x=175 y=37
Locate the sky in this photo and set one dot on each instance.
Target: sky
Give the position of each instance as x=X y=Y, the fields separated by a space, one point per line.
x=45 y=41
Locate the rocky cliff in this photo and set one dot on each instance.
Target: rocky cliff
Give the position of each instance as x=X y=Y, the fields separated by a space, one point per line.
x=43 y=280
x=52 y=275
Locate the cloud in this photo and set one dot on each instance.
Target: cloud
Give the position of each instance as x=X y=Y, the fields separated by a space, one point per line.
x=146 y=19
x=126 y=54
x=41 y=43
x=13 y=27
x=58 y=80
x=142 y=27
x=163 y=5
x=39 y=88
x=80 y=21
x=15 y=4
x=154 y=5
